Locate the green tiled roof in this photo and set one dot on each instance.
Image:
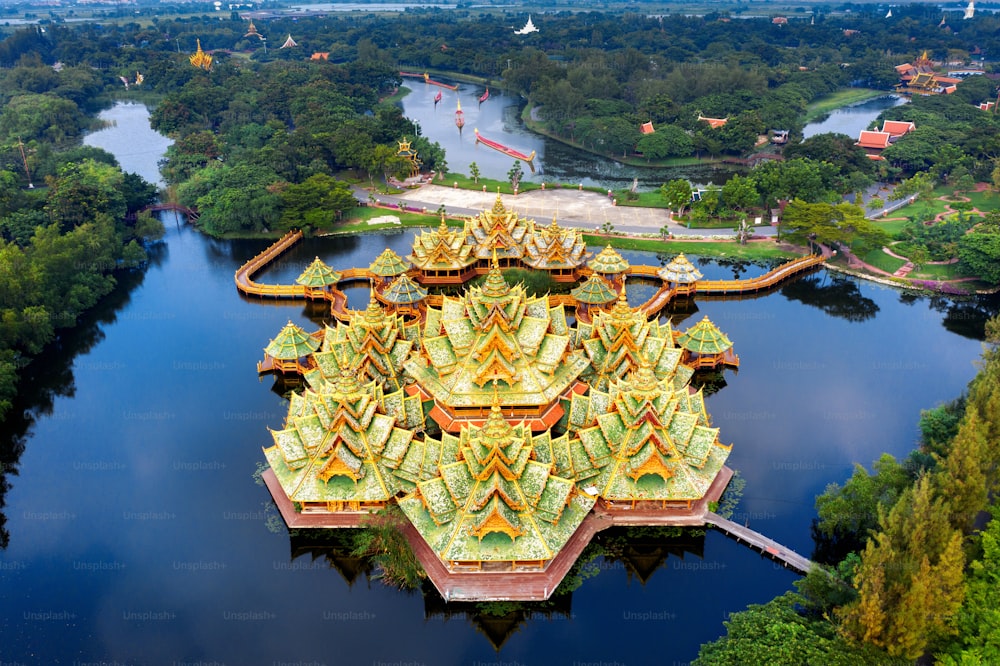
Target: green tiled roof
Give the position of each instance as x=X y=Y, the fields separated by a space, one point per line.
x=403 y=290
x=318 y=274
x=704 y=338
x=595 y=291
x=609 y=262
x=291 y=343
x=388 y=264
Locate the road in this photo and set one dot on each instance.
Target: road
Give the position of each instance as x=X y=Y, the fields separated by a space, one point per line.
x=572 y=208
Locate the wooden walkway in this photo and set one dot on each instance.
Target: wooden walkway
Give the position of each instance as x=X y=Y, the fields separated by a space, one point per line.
x=659 y=300
x=768 y=547
x=765 y=281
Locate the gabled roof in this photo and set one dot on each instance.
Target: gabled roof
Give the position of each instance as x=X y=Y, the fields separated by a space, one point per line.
x=871 y=139
x=897 y=127
x=647 y=128
x=714 y=123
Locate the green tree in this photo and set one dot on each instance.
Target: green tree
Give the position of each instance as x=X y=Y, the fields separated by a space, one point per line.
x=677 y=194
x=474 y=172
x=909 y=581
x=850 y=512
x=515 y=174
x=979 y=618
x=979 y=251
x=779 y=633
x=317 y=202
x=739 y=193
x=82 y=192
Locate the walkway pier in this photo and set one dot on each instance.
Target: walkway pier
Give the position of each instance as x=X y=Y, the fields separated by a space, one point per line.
x=768 y=547
x=659 y=300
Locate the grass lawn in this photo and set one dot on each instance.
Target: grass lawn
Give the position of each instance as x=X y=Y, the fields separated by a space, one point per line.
x=644 y=200
x=938 y=272
x=892 y=227
x=756 y=250
x=880 y=259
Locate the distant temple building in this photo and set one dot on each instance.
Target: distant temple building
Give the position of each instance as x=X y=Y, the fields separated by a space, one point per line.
x=200 y=59
x=919 y=78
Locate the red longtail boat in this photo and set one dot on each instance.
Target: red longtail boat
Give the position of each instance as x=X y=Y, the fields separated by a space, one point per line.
x=485 y=96
x=437 y=98
x=516 y=154
x=459 y=117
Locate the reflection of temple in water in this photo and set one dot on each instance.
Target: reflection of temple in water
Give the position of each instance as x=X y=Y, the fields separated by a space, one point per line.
x=334 y=547
x=639 y=551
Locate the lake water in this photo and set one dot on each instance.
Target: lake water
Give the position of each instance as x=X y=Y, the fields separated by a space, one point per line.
x=499 y=119
x=137 y=533
x=851 y=120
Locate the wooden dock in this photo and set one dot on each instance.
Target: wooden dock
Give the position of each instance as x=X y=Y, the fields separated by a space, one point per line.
x=656 y=303
x=768 y=547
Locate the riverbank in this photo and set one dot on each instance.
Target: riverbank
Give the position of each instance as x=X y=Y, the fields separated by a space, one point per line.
x=531 y=121
x=840 y=99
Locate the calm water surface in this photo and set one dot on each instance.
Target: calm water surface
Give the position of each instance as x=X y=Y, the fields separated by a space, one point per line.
x=851 y=120
x=138 y=534
x=499 y=119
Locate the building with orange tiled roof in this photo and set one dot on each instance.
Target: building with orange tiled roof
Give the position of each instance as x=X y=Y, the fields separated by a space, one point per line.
x=874 y=143
x=714 y=123
x=897 y=128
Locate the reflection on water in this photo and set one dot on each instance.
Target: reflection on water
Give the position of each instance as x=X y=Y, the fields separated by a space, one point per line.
x=834 y=294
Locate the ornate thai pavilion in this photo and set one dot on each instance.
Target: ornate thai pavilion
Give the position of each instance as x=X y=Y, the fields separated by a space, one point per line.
x=497 y=424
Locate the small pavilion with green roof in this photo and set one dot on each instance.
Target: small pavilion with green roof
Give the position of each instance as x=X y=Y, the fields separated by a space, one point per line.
x=404 y=296
x=593 y=293
x=609 y=264
x=705 y=346
x=681 y=275
x=289 y=352
x=318 y=278
x=387 y=266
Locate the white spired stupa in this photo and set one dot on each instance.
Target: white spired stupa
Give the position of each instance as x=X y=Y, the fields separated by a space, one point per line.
x=529 y=27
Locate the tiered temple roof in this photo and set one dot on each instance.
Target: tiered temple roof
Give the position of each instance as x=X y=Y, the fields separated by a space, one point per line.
x=499 y=230
x=200 y=59
x=555 y=247
x=680 y=271
x=609 y=262
x=388 y=264
x=496 y=333
x=292 y=342
x=373 y=345
x=595 y=291
x=318 y=274
x=339 y=444
x=617 y=341
x=404 y=291
x=705 y=346
x=653 y=443
x=704 y=338
x=492 y=497
x=442 y=249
